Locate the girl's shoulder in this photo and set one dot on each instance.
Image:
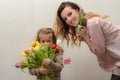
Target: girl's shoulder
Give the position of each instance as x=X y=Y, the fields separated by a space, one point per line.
x=60 y=50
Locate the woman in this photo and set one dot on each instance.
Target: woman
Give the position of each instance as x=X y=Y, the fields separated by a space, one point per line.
x=102 y=37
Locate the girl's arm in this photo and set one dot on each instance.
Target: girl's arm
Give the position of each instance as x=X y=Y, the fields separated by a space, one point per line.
x=38 y=71
x=35 y=71
x=57 y=64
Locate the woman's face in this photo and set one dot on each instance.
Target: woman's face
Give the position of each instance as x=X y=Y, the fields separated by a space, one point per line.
x=70 y=16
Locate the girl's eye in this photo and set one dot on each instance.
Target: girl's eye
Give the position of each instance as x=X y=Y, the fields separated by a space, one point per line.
x=48 y=41
x=43 y=41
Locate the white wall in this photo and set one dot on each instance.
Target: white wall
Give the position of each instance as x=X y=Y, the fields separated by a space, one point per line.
x=19 y=21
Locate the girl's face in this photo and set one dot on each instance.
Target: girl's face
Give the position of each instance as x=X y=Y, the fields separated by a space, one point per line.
x=70 y=16
x=46 y=39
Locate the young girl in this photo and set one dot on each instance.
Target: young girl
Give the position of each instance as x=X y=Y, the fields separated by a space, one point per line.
x=46 y=36
x=101 y=36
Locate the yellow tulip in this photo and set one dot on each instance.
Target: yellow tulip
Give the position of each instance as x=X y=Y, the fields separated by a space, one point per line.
x=25 y=60
x=23 y=54
x=38 y=44
x=33 y=44
x=36 y=48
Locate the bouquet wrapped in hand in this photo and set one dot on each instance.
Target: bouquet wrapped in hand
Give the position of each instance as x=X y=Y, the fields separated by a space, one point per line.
x=34 y=57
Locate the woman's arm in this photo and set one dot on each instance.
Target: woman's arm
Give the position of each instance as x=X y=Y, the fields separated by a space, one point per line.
x=82 y=34
x=89 y=43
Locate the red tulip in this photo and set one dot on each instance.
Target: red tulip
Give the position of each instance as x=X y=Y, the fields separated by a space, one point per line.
x=57 y=49
x=53 y=46
x=27 y=51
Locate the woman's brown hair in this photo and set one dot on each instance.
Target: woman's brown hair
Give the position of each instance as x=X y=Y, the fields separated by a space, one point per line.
x=63 y=30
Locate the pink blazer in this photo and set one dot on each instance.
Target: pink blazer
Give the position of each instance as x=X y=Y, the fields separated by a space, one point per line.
x=106 y=41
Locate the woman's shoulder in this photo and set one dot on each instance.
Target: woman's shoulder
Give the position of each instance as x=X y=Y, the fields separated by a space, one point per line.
x=95 y=19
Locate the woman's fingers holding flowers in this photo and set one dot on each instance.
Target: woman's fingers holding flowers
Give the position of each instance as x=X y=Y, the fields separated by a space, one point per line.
x=82 y=33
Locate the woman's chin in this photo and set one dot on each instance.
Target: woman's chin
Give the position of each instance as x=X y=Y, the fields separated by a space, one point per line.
x=74 y=25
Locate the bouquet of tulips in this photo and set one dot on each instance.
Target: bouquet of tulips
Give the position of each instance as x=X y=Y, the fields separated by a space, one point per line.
x=33 y=57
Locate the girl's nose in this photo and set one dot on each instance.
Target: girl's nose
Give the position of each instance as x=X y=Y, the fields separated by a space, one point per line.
x=46 y=43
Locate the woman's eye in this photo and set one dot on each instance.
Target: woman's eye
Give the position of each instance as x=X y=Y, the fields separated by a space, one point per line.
x=69 y=14
x=65 y=19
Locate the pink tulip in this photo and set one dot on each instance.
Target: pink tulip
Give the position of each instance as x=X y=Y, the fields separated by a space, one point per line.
x=81 y=10
x=17 y=65
x=67 y=60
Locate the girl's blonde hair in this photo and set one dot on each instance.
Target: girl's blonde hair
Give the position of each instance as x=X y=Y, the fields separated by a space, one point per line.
x=46 y=31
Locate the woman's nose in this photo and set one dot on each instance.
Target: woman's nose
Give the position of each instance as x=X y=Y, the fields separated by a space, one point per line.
x=69 y=19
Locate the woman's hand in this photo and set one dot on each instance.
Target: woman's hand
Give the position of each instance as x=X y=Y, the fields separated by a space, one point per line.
x=82 y=34
x=46 y=62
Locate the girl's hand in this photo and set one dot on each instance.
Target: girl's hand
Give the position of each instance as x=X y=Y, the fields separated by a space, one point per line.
x=46 y=62
x=44 y=71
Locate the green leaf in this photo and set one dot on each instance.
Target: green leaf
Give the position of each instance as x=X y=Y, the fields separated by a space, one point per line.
x=79 y=26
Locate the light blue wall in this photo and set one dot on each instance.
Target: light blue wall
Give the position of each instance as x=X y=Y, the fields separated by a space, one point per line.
x=19 y=22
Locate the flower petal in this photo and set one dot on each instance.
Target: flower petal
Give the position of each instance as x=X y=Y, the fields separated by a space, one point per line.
x=67 y=60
